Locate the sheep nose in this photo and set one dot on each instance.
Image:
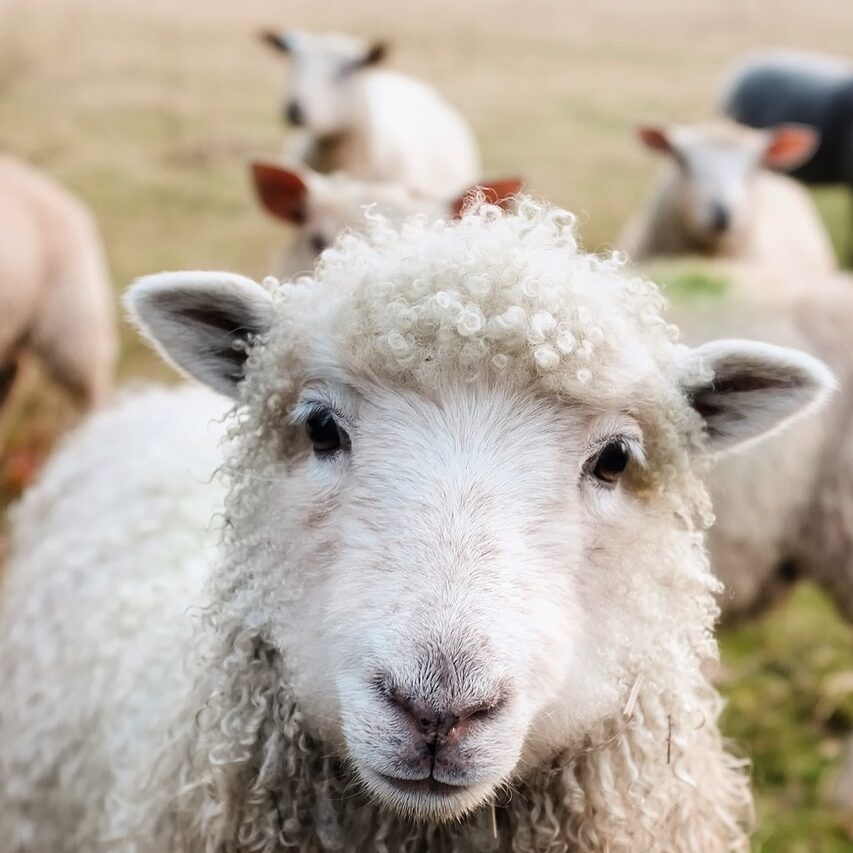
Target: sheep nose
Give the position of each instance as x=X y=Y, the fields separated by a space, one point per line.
x=445 y=723
x=293 y=114
x=720 y=219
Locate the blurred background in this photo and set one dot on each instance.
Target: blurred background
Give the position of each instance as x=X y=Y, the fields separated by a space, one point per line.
x=149 y=111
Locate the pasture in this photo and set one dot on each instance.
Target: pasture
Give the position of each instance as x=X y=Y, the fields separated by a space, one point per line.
x=151 y=110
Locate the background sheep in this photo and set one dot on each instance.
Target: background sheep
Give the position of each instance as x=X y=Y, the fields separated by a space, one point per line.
x=434 y=431
x=783 y=507
x=377 y=125
x=322 y=206
x=714 y=198
x=775 y=87
x=55 y=295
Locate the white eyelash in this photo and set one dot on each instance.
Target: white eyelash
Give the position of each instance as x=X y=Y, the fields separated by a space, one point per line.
x=304 y=409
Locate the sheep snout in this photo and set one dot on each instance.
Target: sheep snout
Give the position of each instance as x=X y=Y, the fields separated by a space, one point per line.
x=435 y=752
x=294 y=115
x=720 y=219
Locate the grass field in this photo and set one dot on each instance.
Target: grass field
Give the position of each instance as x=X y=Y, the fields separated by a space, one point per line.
x=150 y=109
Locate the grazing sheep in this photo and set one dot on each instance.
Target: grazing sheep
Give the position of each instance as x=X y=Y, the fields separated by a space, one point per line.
x=55 y=296
x=322 y=206
x=776 y=87
x=377 y=125
x=462 y=601
x=714 y=198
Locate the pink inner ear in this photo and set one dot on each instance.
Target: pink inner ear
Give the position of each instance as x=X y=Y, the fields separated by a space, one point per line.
x=498 y=192
x=281 y=192
x=654 y=137
x=790 y=146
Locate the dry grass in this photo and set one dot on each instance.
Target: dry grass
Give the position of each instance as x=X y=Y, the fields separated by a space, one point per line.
x=149 y=110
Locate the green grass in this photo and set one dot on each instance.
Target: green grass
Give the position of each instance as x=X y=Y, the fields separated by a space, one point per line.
x=789 y=682
x=836 y=209
x=689 y=281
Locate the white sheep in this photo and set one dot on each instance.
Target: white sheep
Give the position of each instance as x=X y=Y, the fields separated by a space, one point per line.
x=784 y=508
x=462 y=601
x=716 y=198
x=55 y=295
x=320 y=207
x=375 y=124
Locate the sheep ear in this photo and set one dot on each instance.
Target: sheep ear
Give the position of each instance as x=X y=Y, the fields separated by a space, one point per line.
x=790 y=145
x=655 y=137
x=376 y=53
x=277 y=41
x=744 y=389
x=499 y=192
x=203 y=323
x=282 y=192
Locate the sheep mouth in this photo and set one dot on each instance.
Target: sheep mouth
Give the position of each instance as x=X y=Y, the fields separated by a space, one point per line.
x=429 y=785
x=427 y=798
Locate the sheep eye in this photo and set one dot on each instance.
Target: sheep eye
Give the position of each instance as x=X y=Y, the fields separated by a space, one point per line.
x=611 y=462
x=326 y=436
x=318 y=244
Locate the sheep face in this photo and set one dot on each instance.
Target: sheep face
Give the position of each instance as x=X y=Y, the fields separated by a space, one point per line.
x=457 y=542
x=463 y=489
x=716 y=165
x=324 y=72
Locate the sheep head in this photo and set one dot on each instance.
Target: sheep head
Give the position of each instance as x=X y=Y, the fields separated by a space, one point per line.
x=322 y=206
x=715 y=166
x=466 y=473
x=323 y=70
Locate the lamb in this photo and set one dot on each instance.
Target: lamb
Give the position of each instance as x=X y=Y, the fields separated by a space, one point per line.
x=774 y=87
x=375 y=124
x=715 y=199
x=461 y=601
x=322 y=206
x=55 y=295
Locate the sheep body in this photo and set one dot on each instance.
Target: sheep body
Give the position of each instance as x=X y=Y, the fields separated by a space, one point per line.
x=55 y=295
x=769 y=218
x=141 y=474
x=375 y=124
x=402 y=132
x=781 y=507
x=783 y=86
x=497 y=336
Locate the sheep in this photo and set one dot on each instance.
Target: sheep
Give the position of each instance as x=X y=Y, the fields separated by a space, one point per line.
x=55 y=295
x=322 y=206
x=461 y=600
x=774 y=87
x=783 y=507
x=375 y=124
x=715 y=199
